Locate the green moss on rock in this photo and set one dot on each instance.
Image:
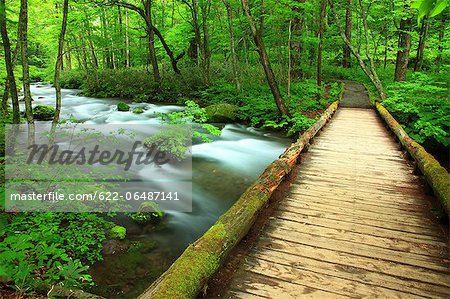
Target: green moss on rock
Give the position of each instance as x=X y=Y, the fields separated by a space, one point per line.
x=43 y=112
x=148 y=212
x=123 y=107
x=138 y=110
x=221 y=113
x=117 y=233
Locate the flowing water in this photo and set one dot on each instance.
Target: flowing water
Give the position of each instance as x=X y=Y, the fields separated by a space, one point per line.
x=222 y=170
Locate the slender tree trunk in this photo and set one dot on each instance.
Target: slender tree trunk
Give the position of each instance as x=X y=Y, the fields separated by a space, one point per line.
x=270 y=76
x=348 y=33
x=91 y=45
x=233 y=46
x=151 y=40
x=289 y=64
x=323 y=6
x=206 y=52
x=421 y=46
x=26 y=69
x=9 y=65
x=127 y=41
x=68 y=59
x=404 y=46
x=59 y=59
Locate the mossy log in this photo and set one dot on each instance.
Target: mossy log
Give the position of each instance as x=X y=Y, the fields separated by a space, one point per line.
x=190 y=273
x=437 y=177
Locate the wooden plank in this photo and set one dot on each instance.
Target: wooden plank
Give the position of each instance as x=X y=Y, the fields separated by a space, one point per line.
x=297 y=271
x=371 y=227
x=398 y=205
x=422 y=278
x=431 y=263
x=362 y=237
x=348 y=208
x=268 y=287
x=396 y=198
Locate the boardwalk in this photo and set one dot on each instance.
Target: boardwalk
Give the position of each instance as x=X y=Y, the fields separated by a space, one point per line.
x=355 y=223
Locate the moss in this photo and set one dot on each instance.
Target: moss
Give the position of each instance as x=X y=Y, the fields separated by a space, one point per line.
x=123 y=107
x=221 y=113
x=138 y=110
x=117 y=233
x=43 y=112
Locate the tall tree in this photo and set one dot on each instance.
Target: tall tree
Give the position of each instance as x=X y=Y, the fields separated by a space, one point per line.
x=421 y=46
x=59 y=60
x=323 y=6
x=346 y=52
x=264 y=59
x=404 y=46
x=9 y=65
x=23 y=19
x=234 y=57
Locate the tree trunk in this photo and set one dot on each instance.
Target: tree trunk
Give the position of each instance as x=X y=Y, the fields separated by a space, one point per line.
x=9 y=65
x=23 y=19
x=151 y=40
x=404 y=46
x=270 y=76
x=348 y=33
x=289 y=64
x=206 y=52
x=91 y=45
x=127 y=41
x=59 y=59
x=421 y=46
x=323 y=6
x=68 y=59
x=233 y=46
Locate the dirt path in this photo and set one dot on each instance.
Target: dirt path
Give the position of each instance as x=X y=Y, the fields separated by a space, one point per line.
x=355 y=95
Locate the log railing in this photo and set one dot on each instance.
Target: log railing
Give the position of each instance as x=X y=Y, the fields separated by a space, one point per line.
x=436 y=176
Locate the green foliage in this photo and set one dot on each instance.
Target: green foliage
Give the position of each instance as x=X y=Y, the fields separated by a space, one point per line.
x=148 y=212
x=72 y=79
x=117 y=232
x=174 y=140
x=44 y=249
x=429 y=8
x=422 y=107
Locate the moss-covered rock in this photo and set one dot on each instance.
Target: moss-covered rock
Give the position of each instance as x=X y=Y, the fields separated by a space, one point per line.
x=43 y=112
x=148 y=212
x=221 y=113
x=117 y=232
x=123 y=107
x=138 y=110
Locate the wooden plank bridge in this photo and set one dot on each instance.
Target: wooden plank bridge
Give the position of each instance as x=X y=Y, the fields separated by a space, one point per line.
x=356 y=221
